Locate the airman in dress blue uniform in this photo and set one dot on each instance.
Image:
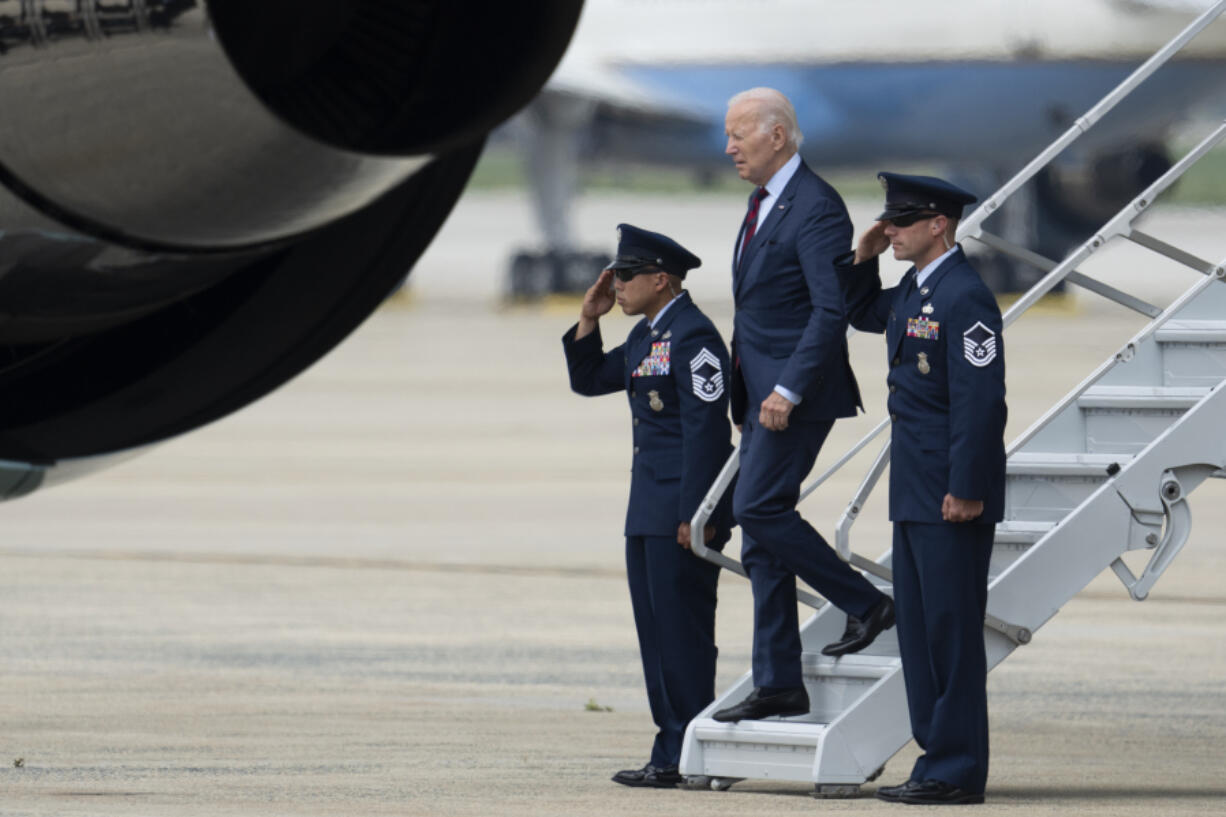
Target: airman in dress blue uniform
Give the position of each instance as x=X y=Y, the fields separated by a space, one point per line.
x=947 y=472
x=672 y=368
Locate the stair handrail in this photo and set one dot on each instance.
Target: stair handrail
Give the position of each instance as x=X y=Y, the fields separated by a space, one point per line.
x=972 y=227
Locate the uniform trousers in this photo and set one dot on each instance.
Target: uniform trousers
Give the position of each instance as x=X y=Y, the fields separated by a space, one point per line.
x=778 y=545
x=941 y=594
x=672 y=592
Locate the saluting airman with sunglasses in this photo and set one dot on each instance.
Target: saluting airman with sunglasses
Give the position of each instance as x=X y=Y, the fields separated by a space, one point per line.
x=673 y=368
x=947 y=471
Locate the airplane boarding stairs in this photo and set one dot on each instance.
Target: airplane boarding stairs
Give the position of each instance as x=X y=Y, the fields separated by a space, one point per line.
x=1109 y=471
x=1106 y=471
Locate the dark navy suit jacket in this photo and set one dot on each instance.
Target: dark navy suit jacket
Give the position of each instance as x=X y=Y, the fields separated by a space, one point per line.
x=948 y=408
x=675 y=378
x=791 y=325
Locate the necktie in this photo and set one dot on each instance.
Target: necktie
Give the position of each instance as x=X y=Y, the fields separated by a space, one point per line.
x=751 y=218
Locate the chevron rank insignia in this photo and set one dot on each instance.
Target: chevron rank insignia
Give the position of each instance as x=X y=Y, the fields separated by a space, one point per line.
x=979 y=345
x=657 y=363
x=707 y=376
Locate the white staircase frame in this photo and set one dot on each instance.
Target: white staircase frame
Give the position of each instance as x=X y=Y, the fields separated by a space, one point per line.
x=1140 y=505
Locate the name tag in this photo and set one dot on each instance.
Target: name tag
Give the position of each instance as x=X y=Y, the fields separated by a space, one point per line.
x=923 y=328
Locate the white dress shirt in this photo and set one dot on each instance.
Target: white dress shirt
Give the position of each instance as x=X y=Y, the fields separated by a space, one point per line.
x=652 y=323
x=774 y=188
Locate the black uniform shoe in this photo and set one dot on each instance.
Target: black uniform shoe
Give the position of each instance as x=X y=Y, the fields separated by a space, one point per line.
x=936 y=793
x=859 y=634
x=891 y=794
x=793 y=701
x=654 y=777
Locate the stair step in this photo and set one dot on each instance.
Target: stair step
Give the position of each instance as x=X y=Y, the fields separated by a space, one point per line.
x=1163 y=398
x=775 y=731
x=1062 y=464
x=856 y=665
x=835 y=684
x=1192 y=331
x=1125 y=419
x=1013 y=538
x=1021 y=532
x=1193 y=352
x=767 y=749
x=1045 y=486
x=787 y=748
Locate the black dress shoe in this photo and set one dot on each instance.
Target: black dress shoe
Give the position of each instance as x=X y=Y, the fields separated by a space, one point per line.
x=892 y=794
x=793 y=701
x=654 y=777
x=859 y=634
x=936 y=793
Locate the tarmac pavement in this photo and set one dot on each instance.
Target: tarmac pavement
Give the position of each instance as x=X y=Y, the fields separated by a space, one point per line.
x=396 y=587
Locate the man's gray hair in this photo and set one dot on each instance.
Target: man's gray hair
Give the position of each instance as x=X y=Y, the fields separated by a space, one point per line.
x=773 y=109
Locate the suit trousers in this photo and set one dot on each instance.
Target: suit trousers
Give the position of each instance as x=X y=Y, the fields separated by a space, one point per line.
x=778 y=545
x=672 y=592
x=941 y=593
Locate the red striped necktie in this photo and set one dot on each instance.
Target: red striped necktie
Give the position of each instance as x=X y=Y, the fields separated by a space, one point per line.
x=751 y=218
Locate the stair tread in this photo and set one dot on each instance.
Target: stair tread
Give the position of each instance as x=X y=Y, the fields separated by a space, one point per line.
x=1063 y=463
x=1195 y=323
x=1089 y=457
x=1022 y=530
x=850 y=666
x=1161 y=397
x=1192 y=331
x=791 y=730
x=1024 y=526
x=1174 y=391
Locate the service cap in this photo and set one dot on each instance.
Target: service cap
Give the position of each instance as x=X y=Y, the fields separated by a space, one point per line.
x=637 y=247
x=907 y=195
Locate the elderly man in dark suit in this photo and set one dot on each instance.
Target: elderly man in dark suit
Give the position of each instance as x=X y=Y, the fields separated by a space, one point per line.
x=791 y=380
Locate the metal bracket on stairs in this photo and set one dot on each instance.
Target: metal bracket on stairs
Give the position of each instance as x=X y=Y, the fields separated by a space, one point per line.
x=1013 y=632
x=1176 y=530
x=836 y=791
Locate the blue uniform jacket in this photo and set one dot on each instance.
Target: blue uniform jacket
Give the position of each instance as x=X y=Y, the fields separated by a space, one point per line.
x=791 y=325
x=674 y=376
x=946 y=380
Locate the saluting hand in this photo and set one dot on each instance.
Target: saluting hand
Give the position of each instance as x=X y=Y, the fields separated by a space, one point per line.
x=961 y=510
x=775 y=410
x=597 y=301
x=873 y=243
x=599 y=298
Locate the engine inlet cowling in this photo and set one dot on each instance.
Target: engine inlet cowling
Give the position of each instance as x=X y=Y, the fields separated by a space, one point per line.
x=199 y=199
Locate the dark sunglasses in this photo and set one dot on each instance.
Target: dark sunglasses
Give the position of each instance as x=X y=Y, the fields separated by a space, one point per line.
x=625 y=275
x=908 y=219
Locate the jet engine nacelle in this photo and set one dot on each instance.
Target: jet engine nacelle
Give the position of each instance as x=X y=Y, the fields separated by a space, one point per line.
x=200 y=199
